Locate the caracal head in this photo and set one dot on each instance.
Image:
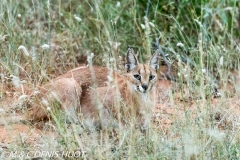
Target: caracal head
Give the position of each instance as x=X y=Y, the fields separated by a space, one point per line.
x=142 y=77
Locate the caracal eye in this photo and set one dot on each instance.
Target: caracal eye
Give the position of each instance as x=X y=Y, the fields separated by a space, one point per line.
x=137 y=76
x=151 y=77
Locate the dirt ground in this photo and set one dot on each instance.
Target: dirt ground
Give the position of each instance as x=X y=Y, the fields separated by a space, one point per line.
x=25 y=133
x=165 y=115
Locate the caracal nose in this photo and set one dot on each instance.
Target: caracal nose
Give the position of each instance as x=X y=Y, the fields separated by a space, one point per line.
x=145 y=86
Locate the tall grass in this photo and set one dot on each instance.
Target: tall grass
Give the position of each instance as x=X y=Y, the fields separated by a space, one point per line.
x=200 y=39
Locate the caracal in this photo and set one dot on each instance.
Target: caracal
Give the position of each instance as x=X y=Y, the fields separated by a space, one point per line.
x=101 y=95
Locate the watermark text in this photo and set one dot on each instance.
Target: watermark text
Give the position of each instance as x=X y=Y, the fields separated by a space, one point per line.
x=42 y=154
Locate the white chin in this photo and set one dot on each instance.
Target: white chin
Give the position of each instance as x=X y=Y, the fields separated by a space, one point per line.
x=141 y=89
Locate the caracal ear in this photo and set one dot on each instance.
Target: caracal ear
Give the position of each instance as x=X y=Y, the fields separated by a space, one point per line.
x=154 y=61
x=131 y=60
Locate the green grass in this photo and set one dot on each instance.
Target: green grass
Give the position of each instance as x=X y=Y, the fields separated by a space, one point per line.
x=208 y=30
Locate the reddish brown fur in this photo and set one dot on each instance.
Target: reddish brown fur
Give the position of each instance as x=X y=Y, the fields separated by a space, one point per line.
x=89 y=84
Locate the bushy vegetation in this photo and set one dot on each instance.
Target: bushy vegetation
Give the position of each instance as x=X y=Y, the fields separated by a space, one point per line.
x=40 y=40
